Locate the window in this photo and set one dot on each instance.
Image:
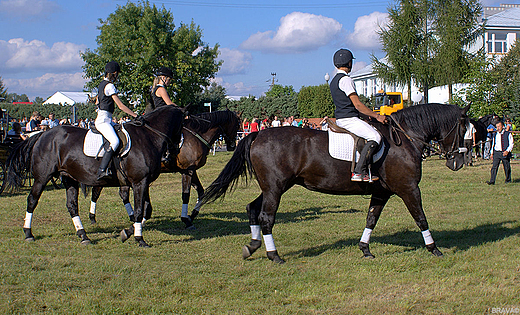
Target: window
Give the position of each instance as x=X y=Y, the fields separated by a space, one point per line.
x=497 y=43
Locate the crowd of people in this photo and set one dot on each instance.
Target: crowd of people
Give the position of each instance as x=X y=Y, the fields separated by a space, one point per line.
x=256 y=124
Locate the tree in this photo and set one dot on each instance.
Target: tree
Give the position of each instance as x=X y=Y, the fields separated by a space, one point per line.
x=215 y=94
x=506 y=76
x=143 y=38
x=278 y=90
x=3 y=91
x=401 y=41
x=315 y=101
x=456 y=27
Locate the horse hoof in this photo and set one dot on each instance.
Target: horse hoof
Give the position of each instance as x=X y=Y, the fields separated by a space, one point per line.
x=364 y=247
x=124 y=235
x=141 y=242
x=86 y=242
x=275 y=257
x=187 y=222
x=369 y=256
x=191 y=228
x=246 y=253
x=432 y=248
x=29 y=239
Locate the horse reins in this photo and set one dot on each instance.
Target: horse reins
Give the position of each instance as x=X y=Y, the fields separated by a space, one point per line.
x=412 y=139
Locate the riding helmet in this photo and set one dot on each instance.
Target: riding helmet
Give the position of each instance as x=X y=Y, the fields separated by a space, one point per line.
x=112 y=66
x=342 y=58
x=165 y=71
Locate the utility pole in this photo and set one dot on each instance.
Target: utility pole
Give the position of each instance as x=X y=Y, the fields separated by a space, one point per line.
x=273 y=80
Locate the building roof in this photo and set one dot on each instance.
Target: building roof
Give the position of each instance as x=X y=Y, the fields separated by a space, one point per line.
x=506 y=18
x=367 y=71
x=69 y=98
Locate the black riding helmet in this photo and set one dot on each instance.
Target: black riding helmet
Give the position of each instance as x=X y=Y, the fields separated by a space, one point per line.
x=112 y=66
x=165 y=71
x=342 y=58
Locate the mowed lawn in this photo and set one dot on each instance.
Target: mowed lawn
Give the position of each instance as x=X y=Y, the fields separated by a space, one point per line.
x=476 y=226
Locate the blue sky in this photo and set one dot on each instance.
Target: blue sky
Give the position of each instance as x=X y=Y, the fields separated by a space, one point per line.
x=40 y=40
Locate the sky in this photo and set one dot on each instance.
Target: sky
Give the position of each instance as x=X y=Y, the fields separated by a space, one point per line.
x=41 y=40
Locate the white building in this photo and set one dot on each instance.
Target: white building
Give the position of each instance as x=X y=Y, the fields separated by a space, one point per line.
x=502 y=29
x=68 y=98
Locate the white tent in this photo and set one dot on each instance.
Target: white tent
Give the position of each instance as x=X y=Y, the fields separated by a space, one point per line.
x=67 y=98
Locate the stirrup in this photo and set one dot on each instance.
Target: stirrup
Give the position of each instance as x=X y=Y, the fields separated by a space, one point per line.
x=105 y=175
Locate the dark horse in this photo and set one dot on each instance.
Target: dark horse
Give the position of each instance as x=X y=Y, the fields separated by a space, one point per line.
x=59 y=151
x=283 y=157
x=199 y=133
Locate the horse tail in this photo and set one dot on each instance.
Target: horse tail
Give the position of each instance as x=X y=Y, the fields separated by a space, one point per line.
x=239 y=165
x=19 y=162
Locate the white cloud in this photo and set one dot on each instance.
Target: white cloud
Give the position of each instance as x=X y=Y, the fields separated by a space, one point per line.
x=298 y=32
x=235 y=61
x=25 y=9
x=19 y=55
x=365 y=31
x=47 y=84
x=236 y=89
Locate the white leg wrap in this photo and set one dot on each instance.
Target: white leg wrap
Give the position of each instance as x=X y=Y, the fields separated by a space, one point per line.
x=77 y=223
x=129 y=209
x=256 y=232
x=184 y=211
x=269 y=243
x=142 y=222
x=92 y=207
x=138 y=229
x=428 y=239
x=28 y=220
x=366 y=236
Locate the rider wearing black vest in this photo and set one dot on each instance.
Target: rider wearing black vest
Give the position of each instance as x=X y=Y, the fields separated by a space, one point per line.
x=107 y=99
x=159 y=94
x=348 y=107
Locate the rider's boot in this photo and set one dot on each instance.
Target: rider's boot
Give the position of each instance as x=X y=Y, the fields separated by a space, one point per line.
x=104 y=172
x=360 y=171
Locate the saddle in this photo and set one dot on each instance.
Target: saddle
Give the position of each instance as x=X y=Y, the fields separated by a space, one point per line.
x=344 y=145
x=95 y=144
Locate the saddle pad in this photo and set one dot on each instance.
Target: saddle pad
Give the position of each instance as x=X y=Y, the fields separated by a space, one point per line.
x=341 y=147
x=94 y=141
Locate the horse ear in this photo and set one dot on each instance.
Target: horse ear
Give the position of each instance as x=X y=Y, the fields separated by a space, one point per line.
x=466 y=109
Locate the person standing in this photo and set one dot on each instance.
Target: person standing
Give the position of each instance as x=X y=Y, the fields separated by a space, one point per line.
x=276 y=122
x=502 y=145
x=487 y=146
x=469 y=142
x=348 y=108
x=107 y=98
x=53 y=122
x=254 y=125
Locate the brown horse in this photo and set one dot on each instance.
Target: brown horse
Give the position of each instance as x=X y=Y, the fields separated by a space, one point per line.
x=283 y=157
x=199 y=133
x=59 y=151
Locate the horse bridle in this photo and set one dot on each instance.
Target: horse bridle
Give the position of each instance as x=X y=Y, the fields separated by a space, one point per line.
x=449 y=154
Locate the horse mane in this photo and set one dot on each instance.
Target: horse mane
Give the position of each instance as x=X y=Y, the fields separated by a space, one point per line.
x=205 y=121
x=427 y=120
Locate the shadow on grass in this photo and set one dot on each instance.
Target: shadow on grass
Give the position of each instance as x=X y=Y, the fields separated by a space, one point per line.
x=459 y=240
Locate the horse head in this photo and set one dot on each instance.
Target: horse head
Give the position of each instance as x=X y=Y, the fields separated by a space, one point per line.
x=452 y=143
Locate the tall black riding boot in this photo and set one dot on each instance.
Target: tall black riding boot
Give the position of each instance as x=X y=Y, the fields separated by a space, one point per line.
x=365 y=157
x=103 y=172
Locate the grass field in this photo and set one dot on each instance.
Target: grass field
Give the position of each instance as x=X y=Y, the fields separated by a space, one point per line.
x=476 y=226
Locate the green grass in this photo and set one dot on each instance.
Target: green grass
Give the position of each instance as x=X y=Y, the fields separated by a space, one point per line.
x=476 y=226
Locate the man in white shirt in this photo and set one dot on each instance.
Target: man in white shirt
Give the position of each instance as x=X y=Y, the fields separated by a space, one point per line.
x=276 y=122
x=501 y=151
x=469 y=142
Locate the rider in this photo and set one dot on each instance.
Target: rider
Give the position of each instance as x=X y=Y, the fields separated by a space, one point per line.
x=107 y=96
x=348 y=107
x=159 y=94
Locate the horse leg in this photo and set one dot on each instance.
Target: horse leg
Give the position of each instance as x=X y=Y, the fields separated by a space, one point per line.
x=32 y=202
x=377 y=203
x=266 y=219
x=195 y=182
x=253 y=211
x=124 y=193
x=96 y=192
x=186 y=187
x=140 y=197
x=414 y=204
x=71 y=187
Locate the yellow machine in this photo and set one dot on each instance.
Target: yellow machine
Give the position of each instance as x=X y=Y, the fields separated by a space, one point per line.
x=388 y=102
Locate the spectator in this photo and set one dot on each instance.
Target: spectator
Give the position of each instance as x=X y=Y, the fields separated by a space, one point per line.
x=487 y=147
x=294 y=123
x=245 y=126
x=469 y=142
x=53 y=122
x=286 y=122
x=33 y=123
x=502 y=145
x=324 y=125
x=276 y=122
x=508 y=125
x=254 y=125
x=44 y=126
x=16 y=132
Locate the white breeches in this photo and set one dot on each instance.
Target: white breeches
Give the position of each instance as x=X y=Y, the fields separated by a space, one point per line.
x=360 y=128
x=104 y=126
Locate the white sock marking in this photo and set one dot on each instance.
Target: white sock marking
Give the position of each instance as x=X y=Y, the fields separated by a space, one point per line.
x=28 y=220
x=366 y=236
x=138 y=229
x=256 y=232
x=92 y=207
x=428 y=239
x=77 y=223
x=269 y=243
